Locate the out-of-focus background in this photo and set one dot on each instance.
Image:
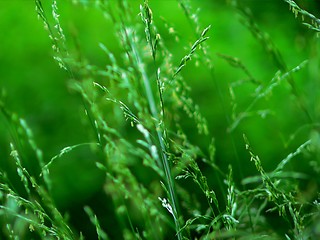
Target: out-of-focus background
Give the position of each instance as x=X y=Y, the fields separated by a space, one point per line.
x=34 y=87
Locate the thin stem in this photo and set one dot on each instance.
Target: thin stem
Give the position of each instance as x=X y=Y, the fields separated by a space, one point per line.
x=154 y=112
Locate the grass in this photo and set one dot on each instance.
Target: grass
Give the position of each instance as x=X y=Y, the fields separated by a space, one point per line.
x=247 y=168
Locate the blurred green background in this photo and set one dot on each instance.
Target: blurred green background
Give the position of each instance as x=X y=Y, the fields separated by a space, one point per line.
x=36 y=89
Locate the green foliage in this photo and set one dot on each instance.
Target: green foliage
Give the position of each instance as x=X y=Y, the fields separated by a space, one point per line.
x=168 y=162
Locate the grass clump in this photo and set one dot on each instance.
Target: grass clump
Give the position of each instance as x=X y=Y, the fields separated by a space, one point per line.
x=169 y=170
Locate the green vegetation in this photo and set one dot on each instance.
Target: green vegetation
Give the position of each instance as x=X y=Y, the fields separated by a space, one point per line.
x=160 y=120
